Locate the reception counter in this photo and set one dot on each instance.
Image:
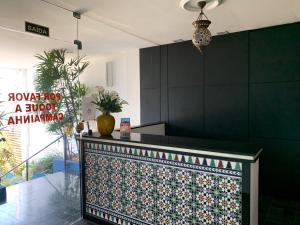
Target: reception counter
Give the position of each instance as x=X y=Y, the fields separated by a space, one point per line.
x=152 y=179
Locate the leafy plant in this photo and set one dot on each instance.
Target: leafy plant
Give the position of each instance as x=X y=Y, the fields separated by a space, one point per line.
x=11 y=181
x=56 y=74
x=44 y=164
x=108 y=101
x=7 y=160
x=2 y=118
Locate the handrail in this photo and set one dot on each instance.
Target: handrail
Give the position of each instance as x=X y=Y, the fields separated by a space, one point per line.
x=26 y=161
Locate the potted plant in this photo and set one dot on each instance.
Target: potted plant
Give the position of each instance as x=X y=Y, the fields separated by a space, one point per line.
x=107 y=102
x=58 y=72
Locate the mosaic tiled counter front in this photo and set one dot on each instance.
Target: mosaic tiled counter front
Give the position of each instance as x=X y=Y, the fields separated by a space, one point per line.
x=131 y=185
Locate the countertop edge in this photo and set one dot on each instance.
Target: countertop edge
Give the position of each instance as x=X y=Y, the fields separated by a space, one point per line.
x=207 y=152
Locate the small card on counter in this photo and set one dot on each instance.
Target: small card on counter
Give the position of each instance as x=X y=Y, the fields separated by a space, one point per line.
x=125 y=127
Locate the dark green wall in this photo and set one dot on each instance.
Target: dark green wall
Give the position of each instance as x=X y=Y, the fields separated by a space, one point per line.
x=246 y=86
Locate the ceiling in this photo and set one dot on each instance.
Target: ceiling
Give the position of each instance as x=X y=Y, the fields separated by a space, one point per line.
x=162 y=21
x=112 y=26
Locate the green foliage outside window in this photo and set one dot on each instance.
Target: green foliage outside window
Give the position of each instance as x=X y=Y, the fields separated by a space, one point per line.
x=44 y=164
x=7 y=160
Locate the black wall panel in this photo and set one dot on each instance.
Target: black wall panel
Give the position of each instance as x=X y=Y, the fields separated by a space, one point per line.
x=185 y=65
x=294 y=171
x=226 y=60
x=275 y=110
x=246 y=86
x=185 y=90
x=275 y=54
x=164 y=105
x=226 y=87
x=186 y=111
x=279 y=167
x=226 y=112
x=150 y=105
x=150 y=67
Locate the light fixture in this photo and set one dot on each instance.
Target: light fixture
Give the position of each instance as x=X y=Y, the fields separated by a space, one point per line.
x=202 y=35
x=193 y=5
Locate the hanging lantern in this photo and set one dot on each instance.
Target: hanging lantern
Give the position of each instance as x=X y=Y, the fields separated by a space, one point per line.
x=202 y=35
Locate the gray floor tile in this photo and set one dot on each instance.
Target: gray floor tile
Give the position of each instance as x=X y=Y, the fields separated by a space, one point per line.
x=49 y=200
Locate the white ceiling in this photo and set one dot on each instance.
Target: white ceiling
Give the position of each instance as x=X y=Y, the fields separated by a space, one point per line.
x=112 y=26
x=162 y=21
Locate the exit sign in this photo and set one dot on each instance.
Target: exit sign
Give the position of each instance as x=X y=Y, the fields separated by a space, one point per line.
x=36 y=29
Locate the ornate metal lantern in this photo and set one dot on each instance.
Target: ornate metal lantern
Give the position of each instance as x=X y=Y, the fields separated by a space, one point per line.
x=202 y=35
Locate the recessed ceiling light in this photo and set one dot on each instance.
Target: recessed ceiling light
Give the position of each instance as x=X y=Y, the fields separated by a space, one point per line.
x=178 y=40
x=193 y=5
x=223 y=32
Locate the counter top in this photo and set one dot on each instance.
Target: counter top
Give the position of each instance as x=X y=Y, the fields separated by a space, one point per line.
x=226 y=149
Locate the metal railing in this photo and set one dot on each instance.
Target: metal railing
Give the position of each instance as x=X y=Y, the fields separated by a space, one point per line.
x=26 y=162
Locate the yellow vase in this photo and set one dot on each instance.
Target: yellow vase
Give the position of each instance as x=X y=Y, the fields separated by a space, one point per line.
x=105 y=124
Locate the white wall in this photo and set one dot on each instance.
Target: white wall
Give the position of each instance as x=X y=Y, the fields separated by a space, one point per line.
x=126 y=81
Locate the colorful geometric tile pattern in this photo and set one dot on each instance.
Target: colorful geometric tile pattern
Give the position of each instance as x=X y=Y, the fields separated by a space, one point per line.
x=126 y=185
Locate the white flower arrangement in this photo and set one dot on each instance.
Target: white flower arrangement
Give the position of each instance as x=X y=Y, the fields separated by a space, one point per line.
x=108 y=101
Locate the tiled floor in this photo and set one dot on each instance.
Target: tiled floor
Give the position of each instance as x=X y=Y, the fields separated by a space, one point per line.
x=54 y=200
x=50 y=200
